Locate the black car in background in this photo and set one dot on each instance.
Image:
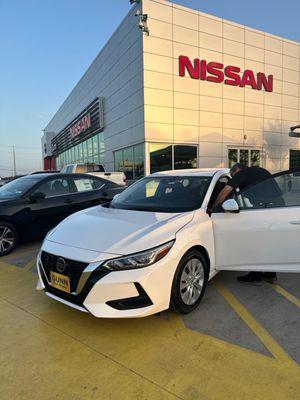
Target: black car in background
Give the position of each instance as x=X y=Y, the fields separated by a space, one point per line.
x=30 y=206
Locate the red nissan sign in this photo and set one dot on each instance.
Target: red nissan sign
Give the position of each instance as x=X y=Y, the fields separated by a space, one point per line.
x=230 y=75
x=80 y=126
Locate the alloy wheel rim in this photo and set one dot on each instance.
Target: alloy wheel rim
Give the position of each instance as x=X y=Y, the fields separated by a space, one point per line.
x=7 y=238
x=191 y=281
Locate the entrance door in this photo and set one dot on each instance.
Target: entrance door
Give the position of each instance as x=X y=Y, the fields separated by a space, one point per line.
x=294 y=159
x=265 y=234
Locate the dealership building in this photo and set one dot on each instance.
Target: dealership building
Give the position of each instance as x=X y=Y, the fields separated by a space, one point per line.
x=176 y=88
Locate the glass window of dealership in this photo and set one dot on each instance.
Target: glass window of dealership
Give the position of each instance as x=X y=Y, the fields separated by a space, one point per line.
x=162 y=157
x=202 y=92
x=89 y=151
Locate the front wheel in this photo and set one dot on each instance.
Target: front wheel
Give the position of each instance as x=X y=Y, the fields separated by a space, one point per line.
x=189 y=282
x=8 y=238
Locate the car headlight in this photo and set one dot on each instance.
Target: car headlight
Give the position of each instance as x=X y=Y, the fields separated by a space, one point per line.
x=139 y=260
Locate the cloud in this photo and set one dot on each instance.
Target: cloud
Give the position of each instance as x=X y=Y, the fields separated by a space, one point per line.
x=39 y=114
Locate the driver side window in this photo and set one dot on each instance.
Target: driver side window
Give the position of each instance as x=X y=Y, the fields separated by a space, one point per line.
x=280 y=190
x=222 y=182
x=54 y=187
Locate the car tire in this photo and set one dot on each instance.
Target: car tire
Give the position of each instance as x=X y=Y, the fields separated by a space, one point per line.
x=189 y=283
x=8 y=238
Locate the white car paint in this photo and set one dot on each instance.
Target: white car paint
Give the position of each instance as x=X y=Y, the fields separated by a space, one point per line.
x=251 y=240
x=263 y=240
x=117 y=177
x=121 y=231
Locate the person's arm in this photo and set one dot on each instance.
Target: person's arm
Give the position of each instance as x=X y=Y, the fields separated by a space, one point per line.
x=225 y=192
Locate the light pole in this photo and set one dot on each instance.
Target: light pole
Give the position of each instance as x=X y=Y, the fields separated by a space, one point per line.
x=14 y=161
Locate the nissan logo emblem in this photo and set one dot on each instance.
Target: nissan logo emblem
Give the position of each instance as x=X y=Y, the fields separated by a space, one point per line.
x=61 y=265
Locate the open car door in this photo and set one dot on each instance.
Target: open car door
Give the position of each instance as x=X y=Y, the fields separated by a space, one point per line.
x=264 y=234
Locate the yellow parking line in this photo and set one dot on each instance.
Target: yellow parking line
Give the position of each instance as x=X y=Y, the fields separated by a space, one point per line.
x=29 y=265
x=290 y=297
x=5 y=264
x=264 y=336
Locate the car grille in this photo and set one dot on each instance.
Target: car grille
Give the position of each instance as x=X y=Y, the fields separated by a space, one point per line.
x=73 y=269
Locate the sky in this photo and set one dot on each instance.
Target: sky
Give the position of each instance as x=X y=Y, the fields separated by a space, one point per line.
x=46 y=46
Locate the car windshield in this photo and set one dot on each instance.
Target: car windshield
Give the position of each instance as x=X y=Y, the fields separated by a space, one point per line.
x=170 y=194
x=17 y=187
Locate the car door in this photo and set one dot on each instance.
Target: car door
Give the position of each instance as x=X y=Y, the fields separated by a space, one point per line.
x=265 y=234
x=87 y=192
x=44 y=213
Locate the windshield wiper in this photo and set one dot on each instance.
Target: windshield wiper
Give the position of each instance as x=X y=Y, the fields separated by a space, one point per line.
x=136 y=209
x=107 y=205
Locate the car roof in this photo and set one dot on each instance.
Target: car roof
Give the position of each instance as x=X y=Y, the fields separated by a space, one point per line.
x=39 y=176
x=59 y=175
x=192 y=172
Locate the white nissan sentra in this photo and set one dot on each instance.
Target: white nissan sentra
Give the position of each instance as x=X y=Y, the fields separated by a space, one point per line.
x=156 y=244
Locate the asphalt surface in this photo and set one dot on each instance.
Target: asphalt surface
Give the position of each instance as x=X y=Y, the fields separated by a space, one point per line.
x=243 y=342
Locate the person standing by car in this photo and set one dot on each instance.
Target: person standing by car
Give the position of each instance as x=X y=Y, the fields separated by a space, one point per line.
x=243 y=177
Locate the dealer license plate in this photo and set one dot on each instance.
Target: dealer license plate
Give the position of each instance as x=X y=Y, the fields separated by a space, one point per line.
x=60 y=281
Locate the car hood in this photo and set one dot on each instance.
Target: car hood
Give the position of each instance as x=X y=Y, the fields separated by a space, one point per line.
x=115 y=231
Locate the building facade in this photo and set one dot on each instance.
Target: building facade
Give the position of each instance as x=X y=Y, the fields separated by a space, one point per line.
x=176 y=88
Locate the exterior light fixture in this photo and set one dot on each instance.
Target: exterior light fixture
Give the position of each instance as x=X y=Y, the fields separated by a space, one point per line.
x=293 y=132
x=143 y=23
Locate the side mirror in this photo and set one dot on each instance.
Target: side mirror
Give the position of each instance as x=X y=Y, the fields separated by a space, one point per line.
x=231 y=206
x=116 y=195
x=37 y=196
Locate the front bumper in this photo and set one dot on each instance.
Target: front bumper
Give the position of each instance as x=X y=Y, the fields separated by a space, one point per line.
x=116 y=294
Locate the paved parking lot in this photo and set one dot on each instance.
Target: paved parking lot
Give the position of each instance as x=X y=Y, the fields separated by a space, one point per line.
x=242 y=343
